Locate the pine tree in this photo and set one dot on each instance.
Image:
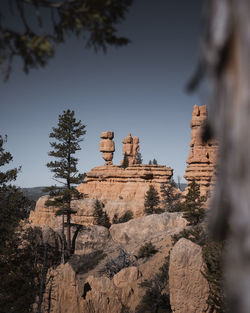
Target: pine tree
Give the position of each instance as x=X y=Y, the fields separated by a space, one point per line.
x=68 y=134
x=170 y=197
x=150 y=162
x=100 y=216
x=193 y=206
x=151 y=200
x=138 y=158
x=19 y=254
x=125 y=162
x=155 y=162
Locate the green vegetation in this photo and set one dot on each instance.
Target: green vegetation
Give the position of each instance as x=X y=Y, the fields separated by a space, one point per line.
x=196 y=231
x=151 y=201
x=171 y=198
x=100 y=216
x=138 y=158
x=156 y=298
x=113 y=266
x=146 y=250
x=68 y=134
x=193 y=206
x=125 y=162
x=128 y=215
x=86 y=262
x=92 y=20
x=155 y=162
x=24 y=257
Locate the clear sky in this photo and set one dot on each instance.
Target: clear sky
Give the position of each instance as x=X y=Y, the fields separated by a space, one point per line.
x=139 y=88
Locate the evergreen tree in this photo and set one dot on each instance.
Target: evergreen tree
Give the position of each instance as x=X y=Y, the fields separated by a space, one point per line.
x=125 y=162
x=155 y=162
x=150 y=162
x=170 y=197
x=193 y=206
x=100 y=216
x=68 y=134
x=151 y=200
x=20 y=253
x=138 y=158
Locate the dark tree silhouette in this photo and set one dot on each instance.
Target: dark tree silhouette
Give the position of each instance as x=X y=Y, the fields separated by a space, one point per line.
x=151 y=200
x=100 y=216
x=93 y=20
x=138 y=158
x=67 y=135
x=170 y=197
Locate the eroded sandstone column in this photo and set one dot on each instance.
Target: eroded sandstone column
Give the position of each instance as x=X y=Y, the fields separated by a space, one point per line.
x=131 y=148
x=202 y=157
x=107 y=146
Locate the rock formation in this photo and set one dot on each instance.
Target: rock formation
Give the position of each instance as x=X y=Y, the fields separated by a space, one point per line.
x=130 y=148
x=129 y=184
x=72 y=287
x=107 y=146
x=188 y=287
x=121 y=190
x=202 y=157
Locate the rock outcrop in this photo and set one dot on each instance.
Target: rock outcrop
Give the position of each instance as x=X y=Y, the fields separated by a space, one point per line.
x=72 y=287
x=202 y=157
x=107 y=146
x=131 y=183
x=154 y=228
x=188 y=287
x=130 y=148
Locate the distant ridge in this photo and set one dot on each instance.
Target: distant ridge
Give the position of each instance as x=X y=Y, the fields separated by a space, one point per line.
x=33 y=193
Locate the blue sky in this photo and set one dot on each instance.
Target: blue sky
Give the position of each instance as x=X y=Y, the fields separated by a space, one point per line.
x=139 y=88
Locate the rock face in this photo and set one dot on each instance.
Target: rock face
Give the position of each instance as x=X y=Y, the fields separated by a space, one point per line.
x=43 y=215
x=131 y=183
x=130 y=148
x=73 y=288
x=188 y=287
x=202 y=157
x=136 y=231
x=107 y=146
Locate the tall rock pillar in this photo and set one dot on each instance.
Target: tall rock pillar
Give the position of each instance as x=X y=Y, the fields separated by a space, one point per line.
x=202 y=157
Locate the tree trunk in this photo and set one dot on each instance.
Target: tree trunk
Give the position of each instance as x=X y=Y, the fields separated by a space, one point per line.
x=63 y=241
x=226 y=60
x=68 y=232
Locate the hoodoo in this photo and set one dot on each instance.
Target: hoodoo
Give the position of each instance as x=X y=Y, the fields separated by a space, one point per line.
x=202 y=157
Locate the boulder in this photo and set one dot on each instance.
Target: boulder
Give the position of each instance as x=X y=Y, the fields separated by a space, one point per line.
x=187 y=286
x=154 y=228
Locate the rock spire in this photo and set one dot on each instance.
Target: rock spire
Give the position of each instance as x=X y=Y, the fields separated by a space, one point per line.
x=107 y=146
x=202 y=157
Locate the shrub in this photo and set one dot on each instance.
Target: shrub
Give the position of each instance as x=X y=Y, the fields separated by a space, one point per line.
x=146 y=250
x=128 y=215
x=100 y=216
x=156 y=298
x=84 y=263
x=114 y=266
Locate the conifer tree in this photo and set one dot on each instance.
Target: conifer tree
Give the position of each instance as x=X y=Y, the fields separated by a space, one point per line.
x=100 y=216
x=138 y=158
x=150 y=162
x=170 y=197
x=155 y=162
x=193 y=206
x=67 y=135
x=151 y=200
x=125 y=162
x=19 y=256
